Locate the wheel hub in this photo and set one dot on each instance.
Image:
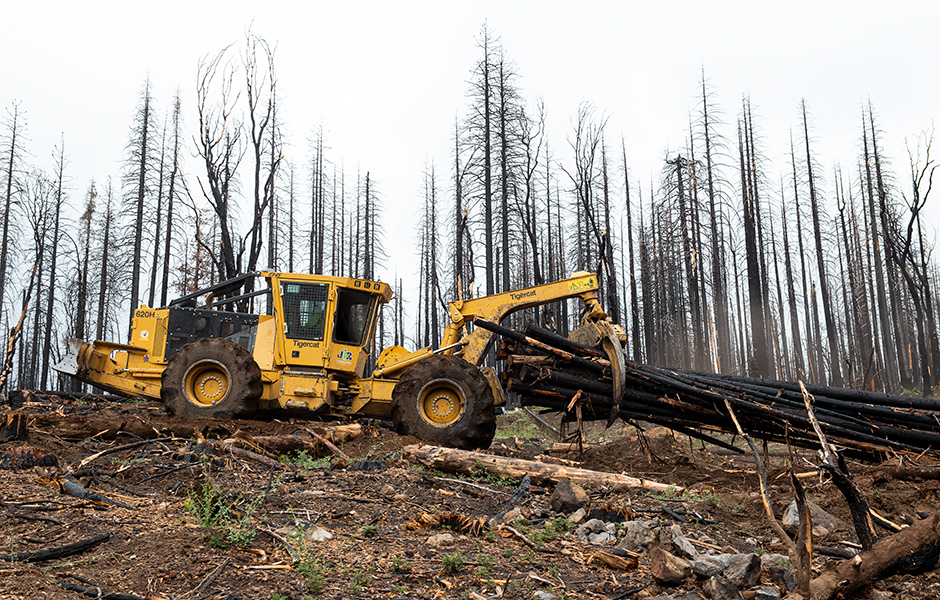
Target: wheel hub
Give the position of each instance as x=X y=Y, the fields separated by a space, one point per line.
x=441 y=404
x=207 y=383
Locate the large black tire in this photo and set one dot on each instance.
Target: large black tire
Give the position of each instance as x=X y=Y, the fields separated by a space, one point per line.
x=446 y=401
x=211 y=378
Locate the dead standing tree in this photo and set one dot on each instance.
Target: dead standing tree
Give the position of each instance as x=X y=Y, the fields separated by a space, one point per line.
x=221 y=144
x=907 y=249
x=588 y=138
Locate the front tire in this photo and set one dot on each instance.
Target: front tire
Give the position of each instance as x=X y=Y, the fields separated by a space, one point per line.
x=211 y=378
x=446 y=401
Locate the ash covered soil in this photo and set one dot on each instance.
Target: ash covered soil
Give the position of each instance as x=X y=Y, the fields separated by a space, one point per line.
x=186 y=518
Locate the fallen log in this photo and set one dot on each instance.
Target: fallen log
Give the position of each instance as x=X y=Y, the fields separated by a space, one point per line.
x=58 y=552
x=465 y=461
x=881 y=560
x=95 y=592
x=566 y=447
x=908 y=473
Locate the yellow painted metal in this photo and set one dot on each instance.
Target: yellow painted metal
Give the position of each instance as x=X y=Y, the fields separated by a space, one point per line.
x=206 y=383
x=307 y=390
x=498 y=306
x=441 y=403
x=322 y=375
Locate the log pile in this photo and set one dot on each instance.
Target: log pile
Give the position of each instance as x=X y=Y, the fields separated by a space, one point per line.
x=549 y=371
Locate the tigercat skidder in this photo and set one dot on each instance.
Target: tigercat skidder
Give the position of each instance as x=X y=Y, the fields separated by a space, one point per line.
x=310 y=354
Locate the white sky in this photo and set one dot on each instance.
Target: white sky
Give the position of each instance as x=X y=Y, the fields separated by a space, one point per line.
x=388 y=78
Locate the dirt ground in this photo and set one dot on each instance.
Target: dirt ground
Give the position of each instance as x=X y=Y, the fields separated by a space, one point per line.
x=190 y=521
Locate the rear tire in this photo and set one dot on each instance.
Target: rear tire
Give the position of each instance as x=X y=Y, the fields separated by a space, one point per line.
x=211 y=378
x=446 y=401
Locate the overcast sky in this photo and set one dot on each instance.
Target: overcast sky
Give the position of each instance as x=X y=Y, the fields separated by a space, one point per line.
x=388 y=78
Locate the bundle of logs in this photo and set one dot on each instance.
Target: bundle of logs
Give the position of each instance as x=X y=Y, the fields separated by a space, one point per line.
x=553 y=372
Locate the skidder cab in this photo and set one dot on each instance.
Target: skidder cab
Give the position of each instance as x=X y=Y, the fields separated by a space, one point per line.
x=310 y=354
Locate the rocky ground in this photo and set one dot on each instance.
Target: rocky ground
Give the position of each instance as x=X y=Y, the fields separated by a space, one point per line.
x=183 y=516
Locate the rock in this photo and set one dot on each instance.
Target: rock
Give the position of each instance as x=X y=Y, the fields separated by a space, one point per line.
x=823 y=522
x=708 y=566
x=517 y=512
x=577 y=516
x=317 y=534
x=693 y=595
x=312 y=533
x=601 y=538
x=681 y=544
x=387 y=490
x=568 y=497
x=743 y=570
x=368 y=466
x=776 y=569
x=667 y=568
x=544 y=596
x=719 y=588
x=586 y=529
x=442 y=539
x=638 y=537
x=768 y=592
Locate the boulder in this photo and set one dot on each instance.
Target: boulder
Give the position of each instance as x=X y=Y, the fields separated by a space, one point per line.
x=823 y=522
x=677 y=543
x=442 y=539
x=767 y=592
x=719 y=588
x=568 y=497
x=743 y=570
x=639 y=535
x=667 y=568
x=708 y=566
x=586 y=529
x=577 y=516
x=776 y=569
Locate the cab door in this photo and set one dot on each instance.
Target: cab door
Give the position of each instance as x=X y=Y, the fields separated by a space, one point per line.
x=352 y=331
x=306 y=310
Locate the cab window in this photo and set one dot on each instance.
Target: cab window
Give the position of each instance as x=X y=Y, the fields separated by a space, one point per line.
x=353 y=313
x=305 y=309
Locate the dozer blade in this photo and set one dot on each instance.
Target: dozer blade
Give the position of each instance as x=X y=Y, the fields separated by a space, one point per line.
x=69 y=362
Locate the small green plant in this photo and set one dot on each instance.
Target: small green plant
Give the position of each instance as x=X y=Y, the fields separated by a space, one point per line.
x=227 y=516
x=485 y=564
x=485 y=560
x=516 y=424
x=312 y=571
x=369 y=531
x=276 y=596
x=399 y=588
x=305 y=461
x=453 y=563
x=400 y=565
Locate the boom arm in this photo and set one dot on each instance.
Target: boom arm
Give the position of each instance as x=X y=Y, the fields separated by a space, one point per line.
x=498 y=306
